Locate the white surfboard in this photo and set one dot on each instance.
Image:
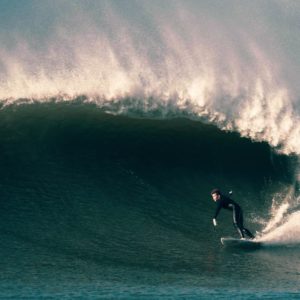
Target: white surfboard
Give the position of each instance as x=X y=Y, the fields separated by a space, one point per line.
x=240 y=243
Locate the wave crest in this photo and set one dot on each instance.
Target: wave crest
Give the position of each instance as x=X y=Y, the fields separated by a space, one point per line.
x=178 y=59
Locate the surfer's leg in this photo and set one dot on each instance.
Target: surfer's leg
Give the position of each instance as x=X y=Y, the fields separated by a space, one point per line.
x=247 y=232
x=241 y=225
x=236 y=215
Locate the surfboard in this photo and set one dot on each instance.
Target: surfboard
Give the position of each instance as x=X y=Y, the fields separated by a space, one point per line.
x=240 y=243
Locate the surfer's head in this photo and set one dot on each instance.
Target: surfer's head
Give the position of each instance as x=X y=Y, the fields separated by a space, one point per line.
x=216 y=194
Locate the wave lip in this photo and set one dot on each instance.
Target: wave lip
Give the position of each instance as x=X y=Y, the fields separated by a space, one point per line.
x=279 y=127
x=169 y=61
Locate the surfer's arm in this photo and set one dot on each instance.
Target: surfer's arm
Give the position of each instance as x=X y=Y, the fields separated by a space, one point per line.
x=215 y=222
x=219 y=206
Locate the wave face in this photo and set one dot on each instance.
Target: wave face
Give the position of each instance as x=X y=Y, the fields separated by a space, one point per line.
x=123 y=200
x=230 y=63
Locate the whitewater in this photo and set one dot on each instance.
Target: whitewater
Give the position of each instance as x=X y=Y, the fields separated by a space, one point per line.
x=118 y=118
x=215 y=65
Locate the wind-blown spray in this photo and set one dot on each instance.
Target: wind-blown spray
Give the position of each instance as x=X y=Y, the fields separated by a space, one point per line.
x=188 y=59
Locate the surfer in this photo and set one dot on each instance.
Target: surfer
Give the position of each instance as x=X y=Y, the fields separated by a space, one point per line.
x=237 y=213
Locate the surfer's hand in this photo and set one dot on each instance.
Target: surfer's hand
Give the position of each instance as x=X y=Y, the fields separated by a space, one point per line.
x=215 y=222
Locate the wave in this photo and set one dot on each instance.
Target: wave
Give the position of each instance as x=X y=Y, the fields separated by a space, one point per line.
x=117 y=118
x=189 y=58
x=280 y=134
x=123 y=182
x=166 y=76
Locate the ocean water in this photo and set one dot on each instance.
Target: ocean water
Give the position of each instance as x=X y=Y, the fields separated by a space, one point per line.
x=95 y=205
x=117 y=119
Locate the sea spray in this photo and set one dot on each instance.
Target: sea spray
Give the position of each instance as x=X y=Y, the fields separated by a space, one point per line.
x=283 y=228
x=188 y=59
x=286 y=234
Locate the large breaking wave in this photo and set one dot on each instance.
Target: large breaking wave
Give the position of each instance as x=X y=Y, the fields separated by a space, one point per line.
x=231 y=64
x=72 y=166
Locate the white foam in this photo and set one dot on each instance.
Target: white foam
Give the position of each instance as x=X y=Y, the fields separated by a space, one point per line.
x=286 y=234
x=277 y=218
x=283 y=228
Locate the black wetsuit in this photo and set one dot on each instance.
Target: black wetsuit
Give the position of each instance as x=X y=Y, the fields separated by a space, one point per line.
x=237 y=215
